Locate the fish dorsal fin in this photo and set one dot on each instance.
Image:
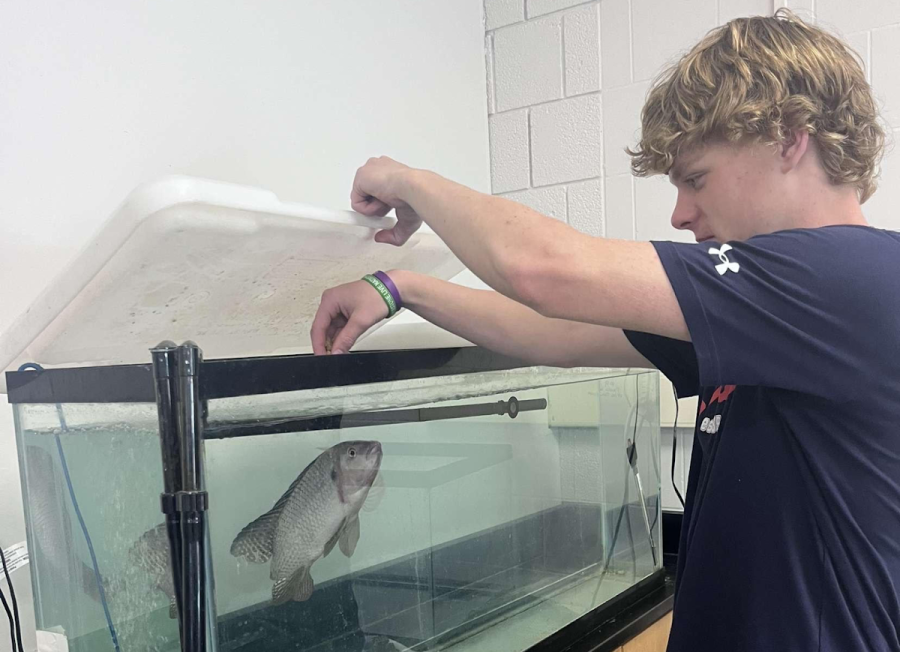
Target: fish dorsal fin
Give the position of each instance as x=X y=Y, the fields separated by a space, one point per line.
x=376 y=493
x=298 y=586
x=287 y=494
x=256 y=540
x=349 y=536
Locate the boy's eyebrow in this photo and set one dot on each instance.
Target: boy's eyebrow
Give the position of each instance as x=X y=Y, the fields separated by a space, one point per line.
x=677 y=170
x=676 y=173
x=680 y=167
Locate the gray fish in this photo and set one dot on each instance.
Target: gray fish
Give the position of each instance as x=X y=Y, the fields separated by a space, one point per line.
x=151 y=553
x=318 y=511
x=51 y=524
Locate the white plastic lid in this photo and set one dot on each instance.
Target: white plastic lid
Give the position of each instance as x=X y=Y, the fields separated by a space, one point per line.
x=229 y=267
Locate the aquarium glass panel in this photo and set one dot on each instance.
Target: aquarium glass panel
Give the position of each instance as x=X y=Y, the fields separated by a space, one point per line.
x=465 y=512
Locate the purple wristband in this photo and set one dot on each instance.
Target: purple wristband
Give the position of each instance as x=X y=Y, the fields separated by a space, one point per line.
x=389 y=284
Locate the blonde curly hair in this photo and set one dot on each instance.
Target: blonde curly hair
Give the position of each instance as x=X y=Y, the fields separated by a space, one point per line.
x=758 y=79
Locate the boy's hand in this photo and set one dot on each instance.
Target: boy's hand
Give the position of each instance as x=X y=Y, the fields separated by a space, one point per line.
x=379 y=187
x=346 y=312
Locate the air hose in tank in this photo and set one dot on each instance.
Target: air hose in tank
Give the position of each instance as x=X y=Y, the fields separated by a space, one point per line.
x=84 y=530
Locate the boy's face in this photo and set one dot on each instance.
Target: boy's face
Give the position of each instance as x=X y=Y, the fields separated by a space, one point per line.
x=729 y=192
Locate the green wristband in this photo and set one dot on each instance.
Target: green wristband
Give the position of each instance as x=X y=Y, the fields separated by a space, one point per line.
x=384 y=292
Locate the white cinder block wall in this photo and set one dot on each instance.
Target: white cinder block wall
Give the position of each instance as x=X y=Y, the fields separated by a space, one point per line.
x=566 y=82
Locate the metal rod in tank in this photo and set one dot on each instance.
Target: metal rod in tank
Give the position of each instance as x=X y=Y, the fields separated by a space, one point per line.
x=631 y=453
x=637 y=476
x=245 y=428
x=164 y=373
x=191 y=501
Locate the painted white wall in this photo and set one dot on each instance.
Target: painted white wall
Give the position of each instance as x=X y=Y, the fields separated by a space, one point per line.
x=566 y=83
x=97 y=98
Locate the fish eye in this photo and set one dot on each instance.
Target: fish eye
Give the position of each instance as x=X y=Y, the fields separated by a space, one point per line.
x=352 y=452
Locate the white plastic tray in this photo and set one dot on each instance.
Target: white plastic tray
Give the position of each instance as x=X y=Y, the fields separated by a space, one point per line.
x=229 y=267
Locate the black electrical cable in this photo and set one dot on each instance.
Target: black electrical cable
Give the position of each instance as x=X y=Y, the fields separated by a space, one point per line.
x=12 y=627
x=15 y=604
x=675 y=448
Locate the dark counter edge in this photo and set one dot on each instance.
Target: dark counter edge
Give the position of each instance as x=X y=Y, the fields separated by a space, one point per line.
x=627 y=616
x=609 y=627
x=229 y=378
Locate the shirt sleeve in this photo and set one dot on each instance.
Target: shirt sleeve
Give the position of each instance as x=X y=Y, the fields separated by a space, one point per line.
x=675 y=359
x=787 y=310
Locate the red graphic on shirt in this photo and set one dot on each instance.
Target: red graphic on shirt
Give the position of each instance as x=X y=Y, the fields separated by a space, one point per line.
x=719 y=396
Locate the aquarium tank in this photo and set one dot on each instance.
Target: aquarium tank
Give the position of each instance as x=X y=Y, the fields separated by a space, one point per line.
x=454 y=506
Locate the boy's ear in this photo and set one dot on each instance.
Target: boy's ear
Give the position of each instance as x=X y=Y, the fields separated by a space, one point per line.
x=793 y=148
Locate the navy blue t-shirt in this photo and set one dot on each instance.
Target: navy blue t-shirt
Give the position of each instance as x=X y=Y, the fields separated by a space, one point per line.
x=791 y=534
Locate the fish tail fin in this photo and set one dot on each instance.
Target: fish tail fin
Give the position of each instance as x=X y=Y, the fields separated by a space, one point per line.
x=298 y=586
x=255 y=541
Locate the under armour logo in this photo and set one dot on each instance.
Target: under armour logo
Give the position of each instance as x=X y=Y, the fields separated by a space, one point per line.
x=726 y=265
